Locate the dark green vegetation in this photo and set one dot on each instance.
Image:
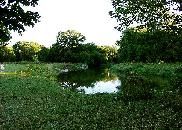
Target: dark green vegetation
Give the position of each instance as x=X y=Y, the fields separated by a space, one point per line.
x=142 y=46
x=26 y=51
x=14 y=17
x=150 y=14
x=6 y=54
x=156 y=35
x=32 y=99
x=150 y=69
x=69 y=48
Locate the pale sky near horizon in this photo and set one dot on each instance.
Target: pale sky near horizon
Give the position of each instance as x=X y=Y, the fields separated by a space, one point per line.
x=89 y=17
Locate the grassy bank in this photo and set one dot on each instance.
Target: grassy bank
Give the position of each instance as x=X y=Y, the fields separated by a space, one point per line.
x=33 y=99
x=161 y=69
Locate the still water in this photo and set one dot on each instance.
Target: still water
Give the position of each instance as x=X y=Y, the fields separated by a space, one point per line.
x=131 y=86
x=90 y=81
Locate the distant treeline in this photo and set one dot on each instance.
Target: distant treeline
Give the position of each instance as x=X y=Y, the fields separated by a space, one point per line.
x=134 y=46
x=70 y=47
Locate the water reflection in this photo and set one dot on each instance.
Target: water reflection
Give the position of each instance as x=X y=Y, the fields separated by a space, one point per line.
x=90 y=81
x=102 y=87
x=134 y=86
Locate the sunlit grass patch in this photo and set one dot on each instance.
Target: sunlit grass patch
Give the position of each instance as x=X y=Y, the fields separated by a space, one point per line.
x=8 y=73
x=9 y=67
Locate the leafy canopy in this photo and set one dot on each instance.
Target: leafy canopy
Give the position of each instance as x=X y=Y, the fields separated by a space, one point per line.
x=6 y=54
x=70 y=38
x=68 y=43
x=151 y=14
x=14 y=16
x=25 y=50
x=143 y=46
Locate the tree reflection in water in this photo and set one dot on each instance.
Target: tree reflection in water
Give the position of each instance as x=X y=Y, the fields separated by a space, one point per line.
x=90 y=81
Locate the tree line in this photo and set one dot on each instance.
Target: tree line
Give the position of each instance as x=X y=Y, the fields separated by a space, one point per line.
x=156 y=37
x=134 y=46
x=70 y=47
x=151 y=30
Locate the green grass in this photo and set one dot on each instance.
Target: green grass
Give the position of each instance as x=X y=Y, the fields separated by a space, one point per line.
x=163 y=69
x=34 y=100
x=15 y=67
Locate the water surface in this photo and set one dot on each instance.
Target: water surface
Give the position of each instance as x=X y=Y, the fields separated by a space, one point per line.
x=91 y=81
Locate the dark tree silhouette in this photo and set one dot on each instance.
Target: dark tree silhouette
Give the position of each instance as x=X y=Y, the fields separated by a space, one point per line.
x=13 y=16
x=150 y=14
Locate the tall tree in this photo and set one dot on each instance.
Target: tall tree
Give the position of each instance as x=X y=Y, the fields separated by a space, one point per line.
x=13 y=16
x=151 y=14
x=68 y=42
x=70 y=38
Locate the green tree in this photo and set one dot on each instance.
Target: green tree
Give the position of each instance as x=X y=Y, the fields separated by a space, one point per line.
x=14 y=17
x=43 y=54
x=110 y=53
x=143 y=46
x=70 y=48
x=70 y=39
x=26 y=51
x=150 y=14
x=6 y=54
x=67 y=45
x=91 y=54
x=4 y=36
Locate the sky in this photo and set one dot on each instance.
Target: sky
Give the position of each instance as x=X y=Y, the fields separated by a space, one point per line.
x=89 y=17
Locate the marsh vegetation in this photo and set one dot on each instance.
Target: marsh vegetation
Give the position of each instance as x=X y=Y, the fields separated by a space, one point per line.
x=33 y=98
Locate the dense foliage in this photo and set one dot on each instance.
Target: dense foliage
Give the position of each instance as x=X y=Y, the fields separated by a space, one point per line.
x=14 y=17
x=26 y=51
x=43 y=54
x=143 y=46
x=152 y=14
x=83 y=53
x=149 y=97
x=70 y=47
x=110 y=53
x=6 y=54
x=88 y=53
x=69 y=39
x=65 y=47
